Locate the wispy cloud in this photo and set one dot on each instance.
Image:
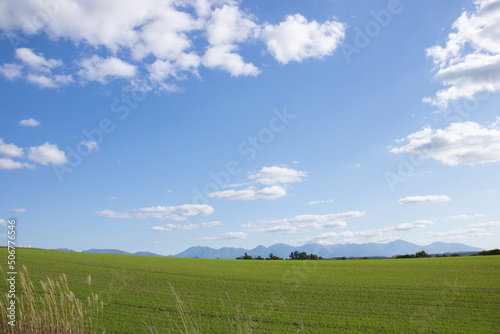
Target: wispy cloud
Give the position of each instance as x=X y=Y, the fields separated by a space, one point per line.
x=461 y=233
x=320 y=202
x=180 y=227
x=308 y=222
x=490 y=224
x=424 y=199
x=226 y=236
x=463 y=216
x=18 y=210
x=172 y=213
x=250 y=193
x=381 y=234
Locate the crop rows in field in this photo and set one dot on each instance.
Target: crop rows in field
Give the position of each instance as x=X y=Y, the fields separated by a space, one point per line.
x=440 y=295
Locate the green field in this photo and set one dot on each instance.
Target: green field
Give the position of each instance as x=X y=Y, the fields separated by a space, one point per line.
x=429 y=295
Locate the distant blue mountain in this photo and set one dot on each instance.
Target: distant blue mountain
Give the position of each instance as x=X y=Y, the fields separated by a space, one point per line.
x=393 y=248
x=106 y=251
x=117 y=251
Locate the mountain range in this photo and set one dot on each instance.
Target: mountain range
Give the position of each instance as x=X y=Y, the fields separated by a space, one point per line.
x=393 y=248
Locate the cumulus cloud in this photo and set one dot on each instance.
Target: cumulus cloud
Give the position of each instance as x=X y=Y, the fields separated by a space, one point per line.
x=10 y=150
x=101 y=69
x=227 y=27
x=250 y=193
x=11 y=71
x=225 y=58
x=31 y=122
x=158 y=37
x=469 y=62
x=172 y=213
x=424 y=199
x=3 y=223
x=296 y=39
x=227 y=236
x=460 y=143
x=36 y=61
x=47 y=154
x=278 y=175
x=6 y=163
x=52 y=81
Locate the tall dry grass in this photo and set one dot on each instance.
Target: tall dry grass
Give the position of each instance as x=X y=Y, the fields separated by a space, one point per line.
x=239 y=322
x=55 y=311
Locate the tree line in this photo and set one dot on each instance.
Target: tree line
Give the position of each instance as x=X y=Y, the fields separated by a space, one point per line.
x=293 y=256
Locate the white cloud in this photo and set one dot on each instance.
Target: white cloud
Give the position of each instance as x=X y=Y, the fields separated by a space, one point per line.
x=376 y=235
x=174 y=227
x=47 y=154
x=11 y=71
x=305 y=222
x=114 y=214
x=296 y=39
x=490 y=224
x=175 y=213
x=227 y=236
x=461 y=233
x=424 y=199
x=462 y=216
x=90 y=145
x=320 y=202
x=132 y=36
x=10 y=150
x=278 y=175
x=18 y=210
x=469 y=62
x=224 y=57
x=6 y=163
x=36 y=61
x=460 y=143
x=53 y=81
x=179 y=227
x=250 y=193
x=412 y=226
x=3 y=223
x=101 y=69
x=29 y=122
x=228 y=25
x=211 y=224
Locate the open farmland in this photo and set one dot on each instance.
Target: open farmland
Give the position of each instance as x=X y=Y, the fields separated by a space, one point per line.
x=438 y=295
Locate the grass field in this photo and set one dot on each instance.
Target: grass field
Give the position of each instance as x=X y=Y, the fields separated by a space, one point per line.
x=429 y=295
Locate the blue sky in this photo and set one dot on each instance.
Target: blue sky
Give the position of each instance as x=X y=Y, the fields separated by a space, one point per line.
x=160 y=125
